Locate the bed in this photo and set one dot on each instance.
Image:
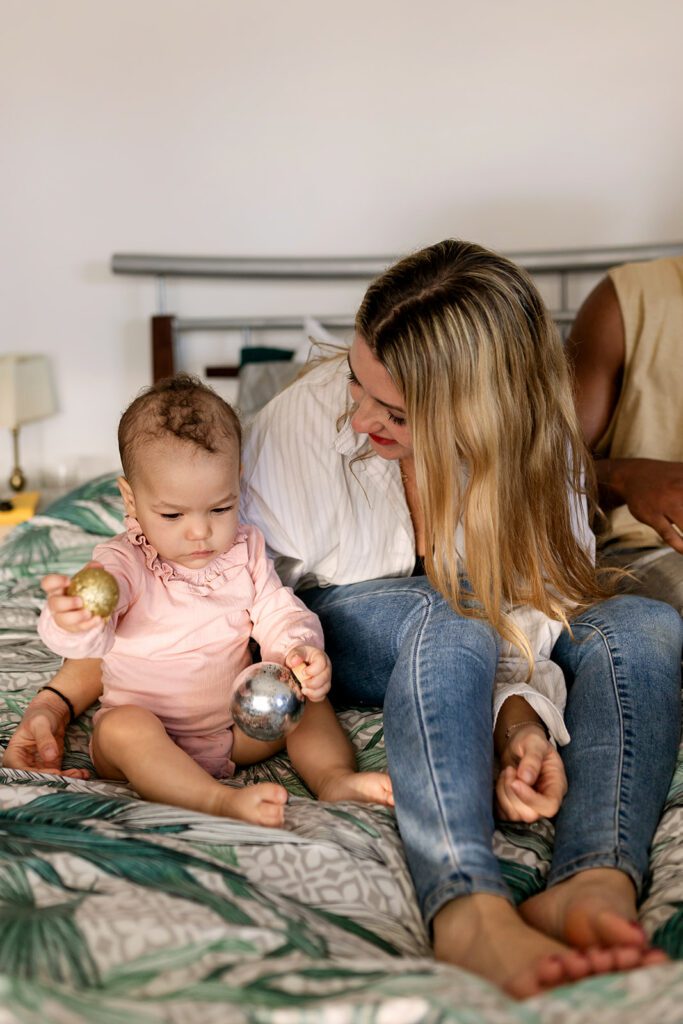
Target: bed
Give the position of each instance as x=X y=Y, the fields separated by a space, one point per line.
x=115 y=910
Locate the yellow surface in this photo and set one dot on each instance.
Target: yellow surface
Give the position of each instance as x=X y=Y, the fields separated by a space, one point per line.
x=24 y=503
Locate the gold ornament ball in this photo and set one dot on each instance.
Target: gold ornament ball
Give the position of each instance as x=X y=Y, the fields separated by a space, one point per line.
x=98 y=590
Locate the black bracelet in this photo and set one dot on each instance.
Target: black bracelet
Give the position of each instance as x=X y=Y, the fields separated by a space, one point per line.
x=72 y=713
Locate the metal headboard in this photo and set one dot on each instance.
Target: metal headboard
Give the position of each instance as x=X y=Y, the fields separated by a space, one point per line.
x=166 y=327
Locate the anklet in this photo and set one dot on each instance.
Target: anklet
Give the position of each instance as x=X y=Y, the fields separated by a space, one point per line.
x=72 y=713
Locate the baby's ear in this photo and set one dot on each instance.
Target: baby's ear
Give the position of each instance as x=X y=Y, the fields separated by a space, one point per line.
x=127 y=495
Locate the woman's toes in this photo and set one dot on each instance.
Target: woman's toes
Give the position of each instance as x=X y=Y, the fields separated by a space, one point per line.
x=627 y=957
x=652 y=957
x=576 y=965
x=526 y=984
x=550 y=970
x=600 y=960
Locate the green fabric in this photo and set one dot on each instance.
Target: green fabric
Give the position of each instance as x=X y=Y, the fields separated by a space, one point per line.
x=117 y=910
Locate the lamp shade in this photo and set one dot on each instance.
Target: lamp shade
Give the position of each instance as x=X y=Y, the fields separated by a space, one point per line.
x=26 y=390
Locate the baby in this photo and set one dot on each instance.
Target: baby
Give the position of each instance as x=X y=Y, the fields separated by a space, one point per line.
x=195 y=585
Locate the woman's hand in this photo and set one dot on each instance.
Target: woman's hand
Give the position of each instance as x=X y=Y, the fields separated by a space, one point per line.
x=532 y=782
x=38 y=741
x=312 y=668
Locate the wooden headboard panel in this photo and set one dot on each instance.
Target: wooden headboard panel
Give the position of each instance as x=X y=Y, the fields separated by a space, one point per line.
x=564 y=266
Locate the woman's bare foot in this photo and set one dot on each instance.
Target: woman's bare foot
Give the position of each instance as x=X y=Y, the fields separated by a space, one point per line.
x=260 y=804
x=365 y=787
x=73 y=773
x=592 y=908
x=67 y=773
x=485 y=934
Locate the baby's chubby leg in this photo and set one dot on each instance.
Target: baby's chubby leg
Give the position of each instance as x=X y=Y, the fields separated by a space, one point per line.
x=322 y=755
x=130 y=743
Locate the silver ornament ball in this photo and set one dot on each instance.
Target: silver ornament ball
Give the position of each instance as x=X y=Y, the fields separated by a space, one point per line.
x=268 y=702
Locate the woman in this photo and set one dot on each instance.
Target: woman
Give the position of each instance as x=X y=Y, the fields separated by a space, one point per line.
x=460 y=452
x=462 y=415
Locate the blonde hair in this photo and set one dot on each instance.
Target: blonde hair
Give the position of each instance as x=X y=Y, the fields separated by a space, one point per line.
x=183 y=407
x=478 y=360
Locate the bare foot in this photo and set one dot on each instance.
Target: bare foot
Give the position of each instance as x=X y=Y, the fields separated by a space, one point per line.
x=365 y=787
x=594 y=908
x=260 y=804
x=484 y=934
x=68 y=773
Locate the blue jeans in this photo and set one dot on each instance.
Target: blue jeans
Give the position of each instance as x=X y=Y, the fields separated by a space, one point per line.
x=397 y=643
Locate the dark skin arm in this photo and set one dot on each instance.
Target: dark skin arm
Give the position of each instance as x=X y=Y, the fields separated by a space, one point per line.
x=652 y=489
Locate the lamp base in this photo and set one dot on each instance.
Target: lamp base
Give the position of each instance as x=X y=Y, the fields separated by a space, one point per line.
x=17 y=481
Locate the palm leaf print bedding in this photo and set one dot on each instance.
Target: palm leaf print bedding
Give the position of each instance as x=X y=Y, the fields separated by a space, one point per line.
x=119 y=911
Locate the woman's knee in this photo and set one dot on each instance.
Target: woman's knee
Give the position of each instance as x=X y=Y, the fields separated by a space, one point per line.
x=452 y=631
x=633 y=641
x=650 y=625
x=662 y=622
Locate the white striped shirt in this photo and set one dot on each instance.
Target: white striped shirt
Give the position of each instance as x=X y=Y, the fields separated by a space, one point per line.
x=329 y=520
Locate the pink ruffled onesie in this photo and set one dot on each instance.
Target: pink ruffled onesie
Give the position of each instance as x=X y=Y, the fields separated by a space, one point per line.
x=179 y=637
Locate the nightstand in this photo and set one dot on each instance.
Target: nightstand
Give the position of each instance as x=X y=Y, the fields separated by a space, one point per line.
x=27 y=504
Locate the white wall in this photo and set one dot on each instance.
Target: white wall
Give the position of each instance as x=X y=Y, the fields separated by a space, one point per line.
x=263 y=128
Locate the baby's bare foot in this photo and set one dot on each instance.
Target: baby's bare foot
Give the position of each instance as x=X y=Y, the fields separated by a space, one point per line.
x=484 y=934
x=364 y=787
x=260 y=804
x=594 y=908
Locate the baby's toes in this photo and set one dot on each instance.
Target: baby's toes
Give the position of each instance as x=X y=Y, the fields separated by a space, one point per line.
x=272 y=792
x=379 y=788
x=271 y=815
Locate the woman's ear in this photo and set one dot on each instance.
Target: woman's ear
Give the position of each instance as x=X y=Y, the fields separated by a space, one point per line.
x=127 y=495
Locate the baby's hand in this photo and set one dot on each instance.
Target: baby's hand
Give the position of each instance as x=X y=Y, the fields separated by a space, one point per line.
x=312 y=668
x=532 y=782
x=68 y=612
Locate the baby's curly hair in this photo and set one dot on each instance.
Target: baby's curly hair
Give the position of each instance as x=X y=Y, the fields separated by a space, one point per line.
x=182 y=406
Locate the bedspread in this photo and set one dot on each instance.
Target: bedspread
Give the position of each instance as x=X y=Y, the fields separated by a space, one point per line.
x=119 y=911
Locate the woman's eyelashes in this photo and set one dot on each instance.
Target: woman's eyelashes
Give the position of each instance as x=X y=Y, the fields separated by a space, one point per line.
x=355 y=383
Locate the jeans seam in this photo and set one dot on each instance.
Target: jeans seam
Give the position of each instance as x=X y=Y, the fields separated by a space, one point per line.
x=620 y=774
x=424 y=732
x=339 y=602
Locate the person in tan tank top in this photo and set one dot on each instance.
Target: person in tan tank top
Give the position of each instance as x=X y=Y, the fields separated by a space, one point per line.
x=626 y=349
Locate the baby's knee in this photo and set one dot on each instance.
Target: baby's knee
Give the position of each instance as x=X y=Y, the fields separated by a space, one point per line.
x=120 y=725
